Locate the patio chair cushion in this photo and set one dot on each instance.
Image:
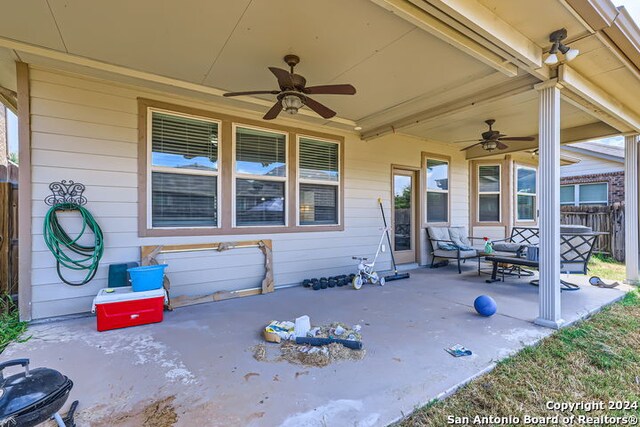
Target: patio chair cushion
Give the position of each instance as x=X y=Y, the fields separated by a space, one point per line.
x=445 y=246
x=454 y=254
x=459 y=237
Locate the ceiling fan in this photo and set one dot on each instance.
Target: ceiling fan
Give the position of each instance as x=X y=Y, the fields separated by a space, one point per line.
x=293 y=93
x=493 y=139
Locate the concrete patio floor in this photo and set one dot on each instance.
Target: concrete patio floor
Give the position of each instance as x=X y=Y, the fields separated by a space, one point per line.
x=202 y=354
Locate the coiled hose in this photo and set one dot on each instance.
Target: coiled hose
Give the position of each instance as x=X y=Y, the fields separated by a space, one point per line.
x=58 y=241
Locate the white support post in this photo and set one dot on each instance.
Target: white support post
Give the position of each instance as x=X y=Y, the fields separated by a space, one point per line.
x=631 y=208
x=549 y=197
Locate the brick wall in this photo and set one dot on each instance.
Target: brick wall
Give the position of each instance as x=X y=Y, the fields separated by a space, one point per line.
x=614 y=179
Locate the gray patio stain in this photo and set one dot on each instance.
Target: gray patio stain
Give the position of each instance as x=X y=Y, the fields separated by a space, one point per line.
x=411 y=320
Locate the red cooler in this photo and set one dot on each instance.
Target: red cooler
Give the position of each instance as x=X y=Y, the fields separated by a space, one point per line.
x=121 y=307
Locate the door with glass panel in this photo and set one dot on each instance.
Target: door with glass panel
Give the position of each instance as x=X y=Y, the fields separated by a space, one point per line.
x=403 y=217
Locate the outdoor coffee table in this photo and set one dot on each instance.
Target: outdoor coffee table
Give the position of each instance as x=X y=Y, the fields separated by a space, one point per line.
x=496 y=260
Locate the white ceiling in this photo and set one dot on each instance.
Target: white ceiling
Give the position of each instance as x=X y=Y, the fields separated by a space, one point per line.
x=397 y=68
x=229 y=45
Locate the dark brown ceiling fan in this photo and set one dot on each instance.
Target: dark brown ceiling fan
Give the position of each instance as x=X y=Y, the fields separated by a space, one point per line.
x=293 y=93
x=493 y=139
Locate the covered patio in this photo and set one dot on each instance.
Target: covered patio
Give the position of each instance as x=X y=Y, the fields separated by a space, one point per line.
x=201 y=357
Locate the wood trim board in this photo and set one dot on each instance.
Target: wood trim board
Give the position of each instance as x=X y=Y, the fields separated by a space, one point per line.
x=149 y=254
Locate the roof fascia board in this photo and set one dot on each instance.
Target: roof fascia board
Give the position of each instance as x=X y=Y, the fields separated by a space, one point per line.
x=598 y=14
x=592 y=153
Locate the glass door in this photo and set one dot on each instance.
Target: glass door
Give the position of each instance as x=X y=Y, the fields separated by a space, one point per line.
x=403 y=216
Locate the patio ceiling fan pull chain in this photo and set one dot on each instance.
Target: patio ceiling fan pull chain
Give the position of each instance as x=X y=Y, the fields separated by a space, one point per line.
x=67 y=197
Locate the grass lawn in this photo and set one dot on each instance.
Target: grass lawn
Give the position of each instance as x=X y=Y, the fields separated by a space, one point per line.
x=596 y=360
x=11 y=328
x=606 y=268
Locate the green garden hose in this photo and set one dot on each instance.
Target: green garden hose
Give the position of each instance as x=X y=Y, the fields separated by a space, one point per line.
x=62 y=246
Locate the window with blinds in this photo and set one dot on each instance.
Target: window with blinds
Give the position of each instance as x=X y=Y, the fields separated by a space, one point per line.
x=184 y=171
x=319 y=177
x=260 y=177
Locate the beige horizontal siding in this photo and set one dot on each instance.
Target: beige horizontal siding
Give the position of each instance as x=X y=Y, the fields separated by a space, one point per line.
x=86 y=130
x=589 y=165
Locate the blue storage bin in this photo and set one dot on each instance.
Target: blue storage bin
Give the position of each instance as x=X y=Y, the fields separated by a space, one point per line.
x=147 y=278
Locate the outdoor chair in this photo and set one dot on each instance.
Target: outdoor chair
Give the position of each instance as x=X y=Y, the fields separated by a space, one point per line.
x=451 y=243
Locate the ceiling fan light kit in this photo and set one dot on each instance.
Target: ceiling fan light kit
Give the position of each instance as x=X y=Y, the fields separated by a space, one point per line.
x=494 y=140
x=556 y=39
x=294 y=93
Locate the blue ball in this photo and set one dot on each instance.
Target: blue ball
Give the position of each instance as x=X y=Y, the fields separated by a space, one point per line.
x=485 y=305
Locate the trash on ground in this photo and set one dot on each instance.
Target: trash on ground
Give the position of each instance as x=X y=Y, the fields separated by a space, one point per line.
x=303 y=344
x=458 y=351
x=277 y=331
x=302 y=326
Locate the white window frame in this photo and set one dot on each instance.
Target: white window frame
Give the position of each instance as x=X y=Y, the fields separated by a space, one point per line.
x=534 y=195
x=499 y=193
x=301 y=180
x=151 y=168
x=576 y=194
x=427 y=190
x=235 y=175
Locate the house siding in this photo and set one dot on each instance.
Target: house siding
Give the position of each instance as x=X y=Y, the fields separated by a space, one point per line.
x=84 y=129
x=589 y=165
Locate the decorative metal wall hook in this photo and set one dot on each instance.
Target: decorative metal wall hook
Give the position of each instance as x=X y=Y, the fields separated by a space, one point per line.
x=68 y=192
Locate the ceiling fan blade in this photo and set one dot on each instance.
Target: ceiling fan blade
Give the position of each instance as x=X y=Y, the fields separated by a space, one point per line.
x=471 y=146
x=252 y=92
x=518 y=138
x=331 y=90
x=284 y=77
x=274 y=111
x=501 y=146
x=325 y=112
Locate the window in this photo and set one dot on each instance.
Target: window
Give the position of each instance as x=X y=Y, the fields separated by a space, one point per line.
x=211 y=174
x=489 y=184
x=319 y=179
x=585 y=194
x=526 y=193
x=437 y=191
x=260 y=177
x=184 y=171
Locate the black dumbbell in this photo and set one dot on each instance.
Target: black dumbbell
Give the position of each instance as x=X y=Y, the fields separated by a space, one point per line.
x=332 y=283
x=316 y=286
x=306 y=283
x=324 y=284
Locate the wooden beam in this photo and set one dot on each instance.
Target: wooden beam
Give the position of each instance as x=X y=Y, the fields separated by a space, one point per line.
x=578 y=85
x=567 y=136
x=5 y=237
x=434 y=26
x=484 y=22
x=502 y=90
x=24 y=201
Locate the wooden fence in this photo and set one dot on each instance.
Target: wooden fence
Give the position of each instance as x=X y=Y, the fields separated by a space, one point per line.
x=604 y=219
x=8 y=238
